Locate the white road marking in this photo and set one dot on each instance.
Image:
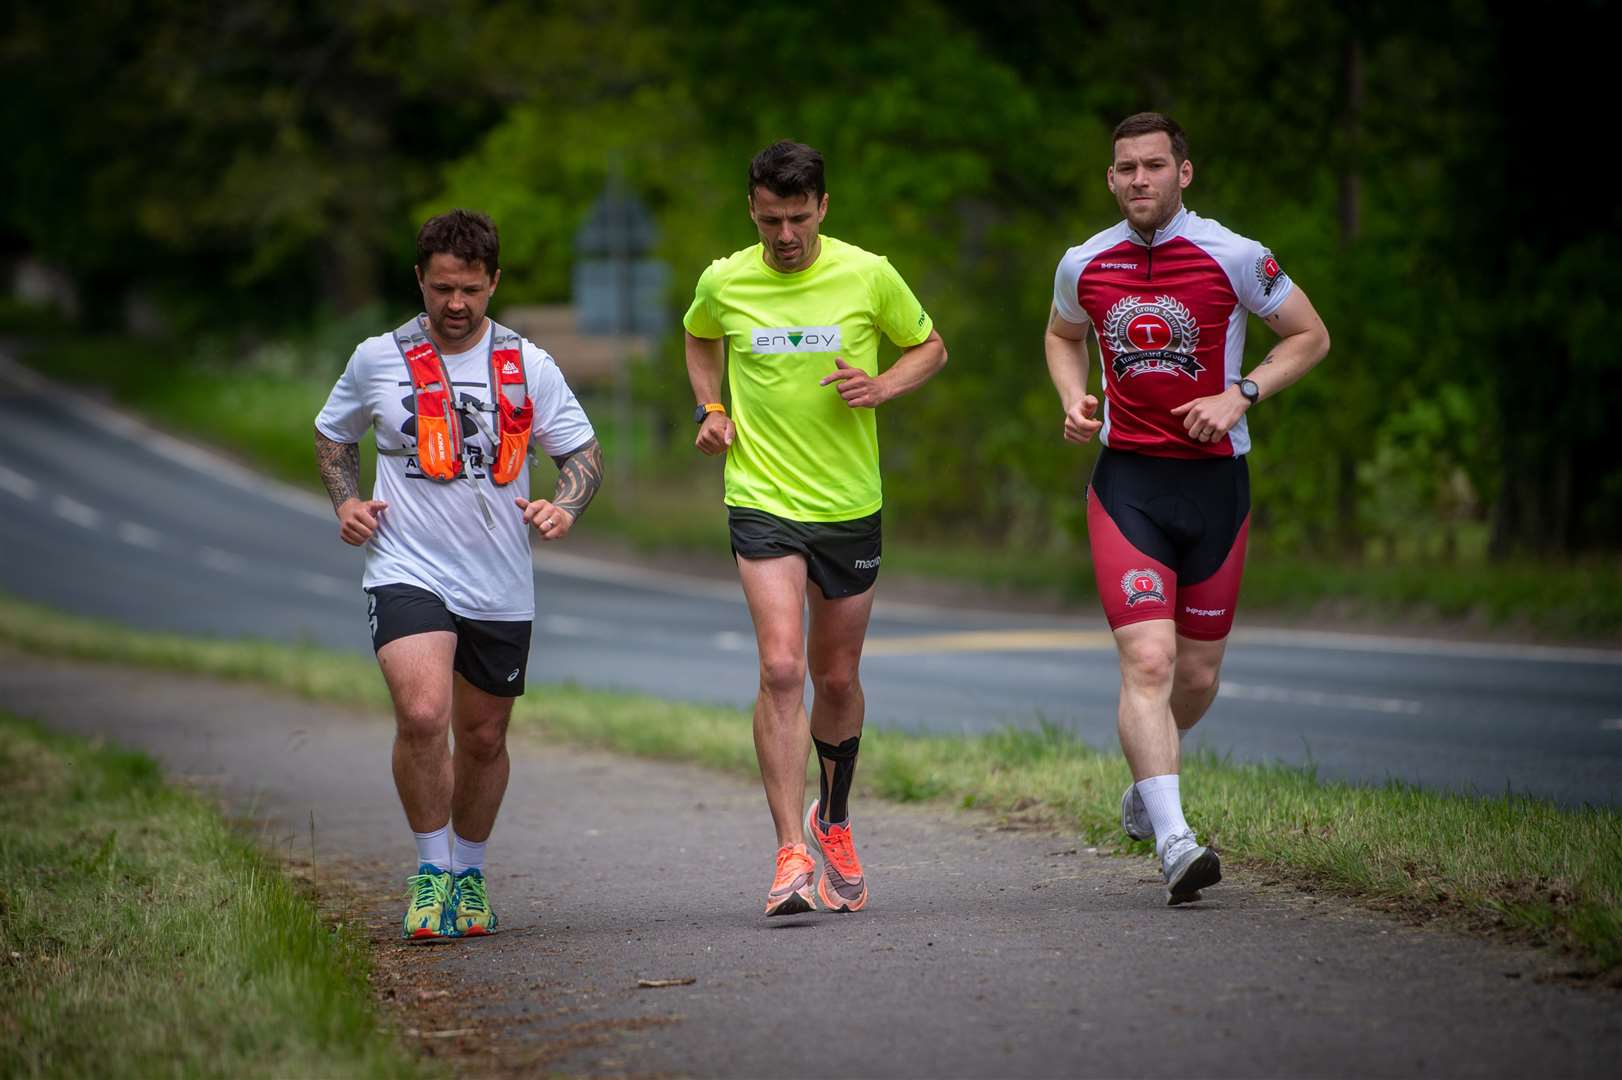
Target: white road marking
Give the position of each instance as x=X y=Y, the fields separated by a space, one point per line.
x=1283 y=695
x=325 y=584
x=16 y=483
x=584 y=568
x=182 y=453
x=1474 y=650
x=1613 y=724
x=77 y=512
x=139 y=535
x=223 y=561
x=732 y=641
x=563 y=625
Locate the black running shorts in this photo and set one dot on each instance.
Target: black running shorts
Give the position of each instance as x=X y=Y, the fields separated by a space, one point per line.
x=491 y=655
x=841 y=557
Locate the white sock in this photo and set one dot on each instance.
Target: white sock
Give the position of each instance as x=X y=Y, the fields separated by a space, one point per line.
x=466 y=855
x=435 y=847
x=1165 y=806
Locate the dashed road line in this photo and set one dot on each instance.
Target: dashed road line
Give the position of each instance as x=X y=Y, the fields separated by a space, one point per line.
x=75 y=511
x=223 y=561
x=324 y=584
x=1281 y=695
x=139 y=536
x=15 y=482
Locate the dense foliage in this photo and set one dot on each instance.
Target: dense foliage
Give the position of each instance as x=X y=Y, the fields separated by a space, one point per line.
x=1419 y=169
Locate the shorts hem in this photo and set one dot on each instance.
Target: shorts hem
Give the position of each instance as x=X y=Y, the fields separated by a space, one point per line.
x=1203 y=635
x=1132 y=619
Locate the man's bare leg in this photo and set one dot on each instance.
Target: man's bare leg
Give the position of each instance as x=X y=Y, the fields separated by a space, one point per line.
x=775 y=590
x=480 y=762
x=1148 y=652
x=417 y=670
x=838 y=631
x=1196 y=681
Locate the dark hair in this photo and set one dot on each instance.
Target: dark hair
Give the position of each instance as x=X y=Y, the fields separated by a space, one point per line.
x=1147 y=123
x=787 y=169
x=467 y=234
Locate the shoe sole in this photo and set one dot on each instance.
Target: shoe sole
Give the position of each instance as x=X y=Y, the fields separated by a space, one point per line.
x=836 y=903
x=1126 y=806
x=1202 y=872
x=795 y=903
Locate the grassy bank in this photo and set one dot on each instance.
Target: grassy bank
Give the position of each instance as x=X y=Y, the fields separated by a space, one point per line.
x=260 y=404
x=1510 y=864
x=140 y=937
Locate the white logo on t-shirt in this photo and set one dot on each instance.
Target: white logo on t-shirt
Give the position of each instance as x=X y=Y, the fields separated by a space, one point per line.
x=795 y=339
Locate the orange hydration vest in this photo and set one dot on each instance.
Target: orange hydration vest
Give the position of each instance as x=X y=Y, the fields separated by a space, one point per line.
x=438 y=448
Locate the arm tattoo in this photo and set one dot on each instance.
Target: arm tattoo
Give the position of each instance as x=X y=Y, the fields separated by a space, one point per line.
x=1266 y=360
x=340 y=468
x=580 y=474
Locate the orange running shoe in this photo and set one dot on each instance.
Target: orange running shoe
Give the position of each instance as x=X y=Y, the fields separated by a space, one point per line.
x=791 y=886
x=841 y=886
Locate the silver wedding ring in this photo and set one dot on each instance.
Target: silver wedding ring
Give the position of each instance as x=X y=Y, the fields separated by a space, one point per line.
x=547 y=524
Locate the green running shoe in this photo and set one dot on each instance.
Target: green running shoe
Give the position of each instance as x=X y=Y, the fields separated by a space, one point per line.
x=428 y=908
x=471 y=905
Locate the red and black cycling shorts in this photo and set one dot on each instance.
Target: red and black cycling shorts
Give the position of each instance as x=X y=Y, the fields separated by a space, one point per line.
x=1168 y=539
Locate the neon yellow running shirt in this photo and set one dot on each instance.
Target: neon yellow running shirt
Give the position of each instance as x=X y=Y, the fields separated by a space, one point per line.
x=800 y=452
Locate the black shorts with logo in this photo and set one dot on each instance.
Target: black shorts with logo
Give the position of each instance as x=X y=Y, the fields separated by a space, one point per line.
x=841 y=557
x=492 y=655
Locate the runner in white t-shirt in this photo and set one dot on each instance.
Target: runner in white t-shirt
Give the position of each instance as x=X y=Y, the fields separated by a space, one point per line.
x=448 y=570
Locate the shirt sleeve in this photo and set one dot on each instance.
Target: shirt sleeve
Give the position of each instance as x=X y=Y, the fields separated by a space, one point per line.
x=1262 y=284
x=1066 y=279
x=896 y=310
x=344 y=418
x=702 y=320
x=560 y=423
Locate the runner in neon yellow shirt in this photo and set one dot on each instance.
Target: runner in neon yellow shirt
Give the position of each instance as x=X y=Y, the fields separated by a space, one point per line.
x=794 y=323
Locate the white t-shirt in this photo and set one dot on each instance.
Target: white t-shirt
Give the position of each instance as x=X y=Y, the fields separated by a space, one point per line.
x=432 y=535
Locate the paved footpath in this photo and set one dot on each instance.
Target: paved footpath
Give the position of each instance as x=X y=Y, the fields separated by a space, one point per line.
x=983 y=953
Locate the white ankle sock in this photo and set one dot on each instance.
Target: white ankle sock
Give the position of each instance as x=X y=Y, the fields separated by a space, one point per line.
x=435 y=847
x=466 y=855
x=1165 y=805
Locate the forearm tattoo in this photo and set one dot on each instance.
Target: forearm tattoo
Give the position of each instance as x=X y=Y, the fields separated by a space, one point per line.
x=580 y=474
x=340 y=468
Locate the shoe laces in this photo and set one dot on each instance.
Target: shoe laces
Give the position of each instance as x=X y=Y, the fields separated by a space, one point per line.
x=471 y=893
x=427 y=889
x=840 y=850
x=790 y=863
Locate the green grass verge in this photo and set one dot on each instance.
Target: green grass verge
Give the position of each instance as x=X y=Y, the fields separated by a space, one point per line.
x=139 y=936
x=263 y=406
x=1514 y=864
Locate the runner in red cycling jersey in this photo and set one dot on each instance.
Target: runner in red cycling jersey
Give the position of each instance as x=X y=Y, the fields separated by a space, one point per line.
x=1168 y=293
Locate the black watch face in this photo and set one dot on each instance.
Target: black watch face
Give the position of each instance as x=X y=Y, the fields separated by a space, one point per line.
x=699 y=414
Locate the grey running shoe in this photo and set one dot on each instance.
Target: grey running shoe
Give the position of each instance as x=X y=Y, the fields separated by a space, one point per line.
x=1135 y=815
x=1188 y=868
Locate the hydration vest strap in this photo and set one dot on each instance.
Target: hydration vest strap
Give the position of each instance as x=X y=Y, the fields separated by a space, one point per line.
x=514 y=412
x=439 y=424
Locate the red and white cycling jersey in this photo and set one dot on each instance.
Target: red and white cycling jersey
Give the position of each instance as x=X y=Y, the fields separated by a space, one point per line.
x=1170 y=321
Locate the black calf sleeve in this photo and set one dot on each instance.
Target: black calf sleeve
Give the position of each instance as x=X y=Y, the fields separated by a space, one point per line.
x=836 y=791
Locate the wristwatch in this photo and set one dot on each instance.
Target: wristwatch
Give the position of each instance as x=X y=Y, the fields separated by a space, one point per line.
x=703 y=410
x=1249 y=390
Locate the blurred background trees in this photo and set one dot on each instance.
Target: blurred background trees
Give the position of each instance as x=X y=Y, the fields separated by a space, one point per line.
x=1431 y=174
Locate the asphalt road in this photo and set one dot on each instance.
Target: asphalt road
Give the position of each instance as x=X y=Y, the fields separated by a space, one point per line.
x=982 y=953
x=102 y=516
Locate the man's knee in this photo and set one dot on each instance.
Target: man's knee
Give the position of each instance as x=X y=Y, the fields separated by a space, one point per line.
x=483 y=741
x=421 y=721
x=1197 y=679
x=836 y=685
x=1149 y=664
x=782 y=673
